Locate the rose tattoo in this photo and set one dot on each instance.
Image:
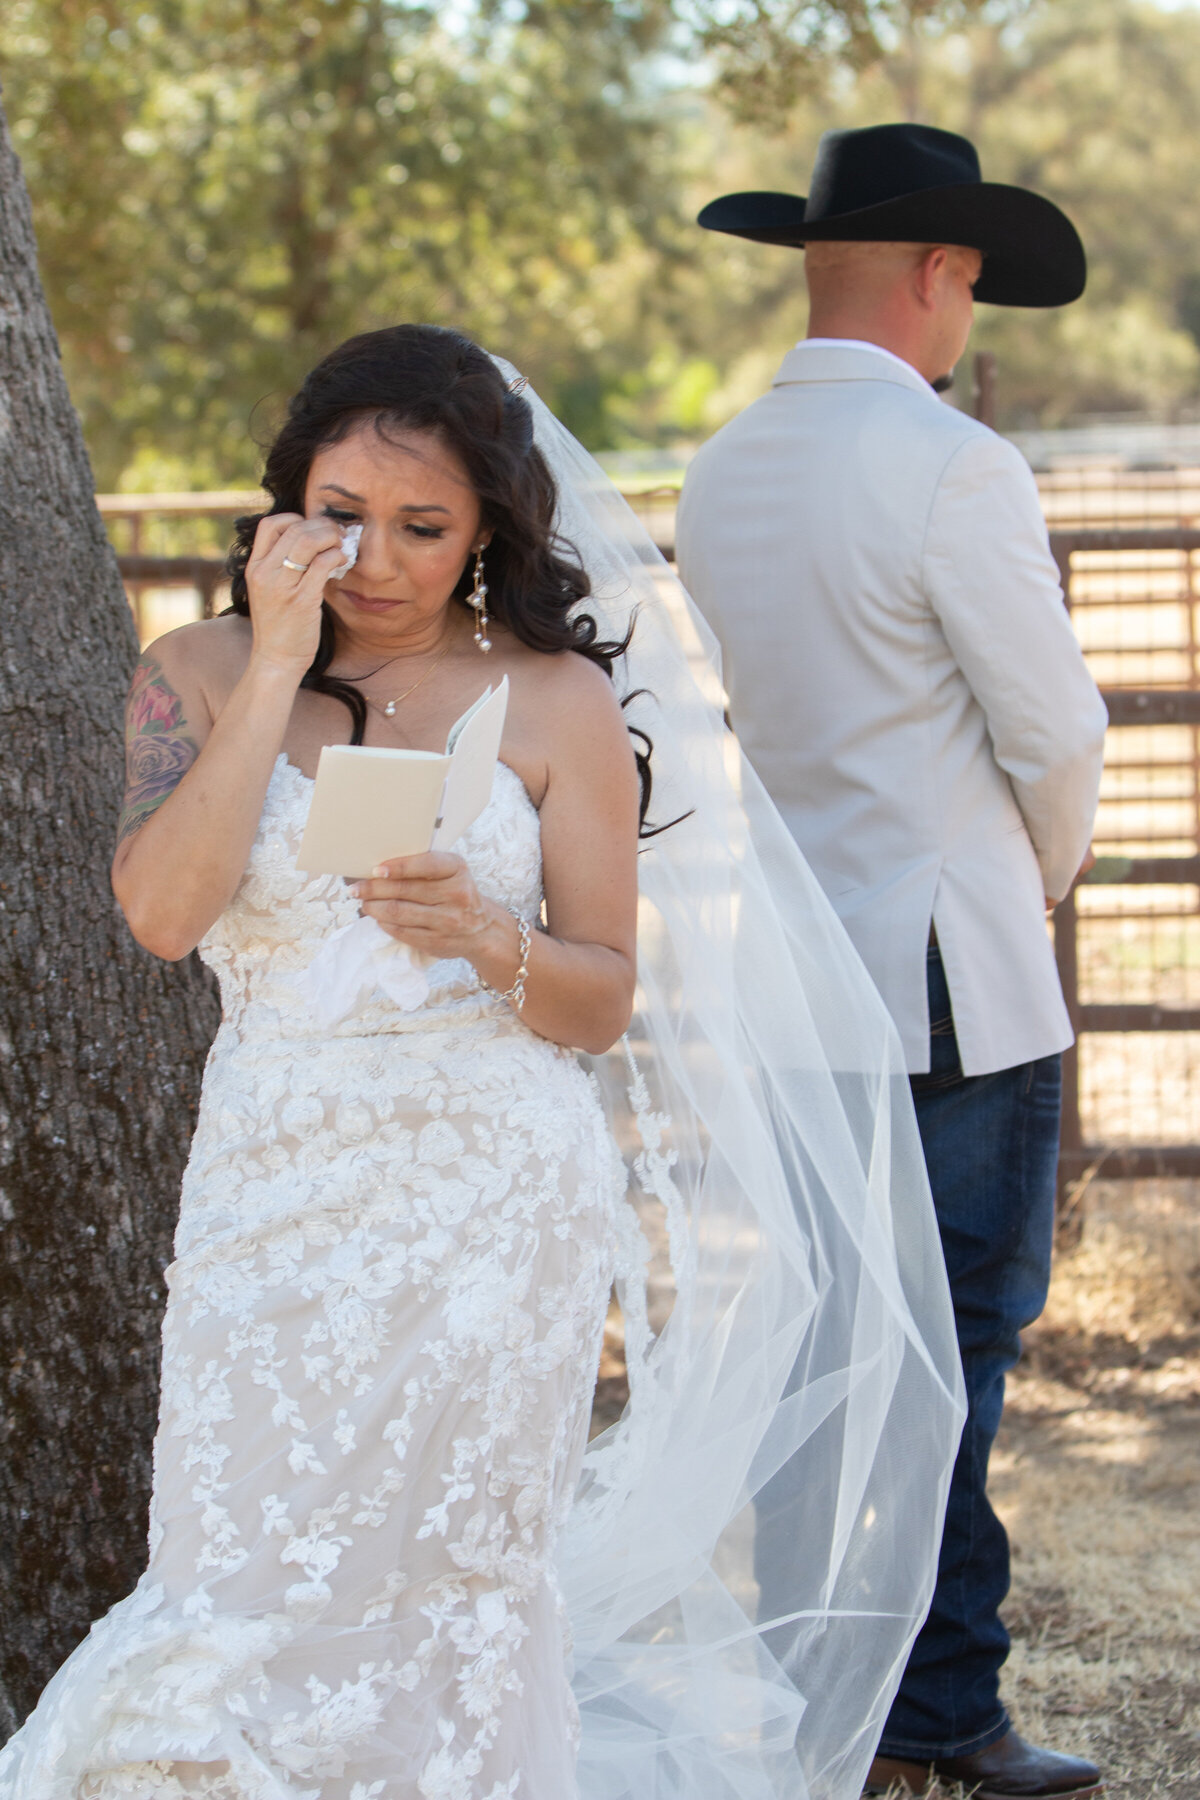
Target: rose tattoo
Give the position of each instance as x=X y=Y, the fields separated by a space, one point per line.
x=158 y=750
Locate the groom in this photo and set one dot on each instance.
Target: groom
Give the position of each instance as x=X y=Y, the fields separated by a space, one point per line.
x=903 y=675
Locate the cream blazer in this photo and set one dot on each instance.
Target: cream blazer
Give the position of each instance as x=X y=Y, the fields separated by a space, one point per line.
x=904 y=677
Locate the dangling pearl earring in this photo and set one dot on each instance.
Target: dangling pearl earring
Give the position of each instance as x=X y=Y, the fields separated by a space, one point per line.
x=478 y=599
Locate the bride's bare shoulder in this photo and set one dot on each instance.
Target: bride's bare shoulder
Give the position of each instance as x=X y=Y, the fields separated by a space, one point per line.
x=575 y=707
x=210 y=652
x=565 y=680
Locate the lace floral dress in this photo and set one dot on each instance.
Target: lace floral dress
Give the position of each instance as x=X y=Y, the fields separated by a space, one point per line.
x=392 y=1266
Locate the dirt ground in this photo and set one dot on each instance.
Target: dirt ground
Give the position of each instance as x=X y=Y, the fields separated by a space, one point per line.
x=1097 y=1475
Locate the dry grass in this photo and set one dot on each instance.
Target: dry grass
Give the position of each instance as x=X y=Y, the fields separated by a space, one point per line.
x=1097 y=1475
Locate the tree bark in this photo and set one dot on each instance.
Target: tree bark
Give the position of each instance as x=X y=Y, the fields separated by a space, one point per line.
x=101 y=1047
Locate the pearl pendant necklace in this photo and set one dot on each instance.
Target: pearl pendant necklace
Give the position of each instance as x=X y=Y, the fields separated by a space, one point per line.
x=389 y=711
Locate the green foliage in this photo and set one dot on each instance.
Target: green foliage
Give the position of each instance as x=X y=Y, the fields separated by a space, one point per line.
x=1096 y=105
x=1092 y=102
x=224 y=190
x=771 y=54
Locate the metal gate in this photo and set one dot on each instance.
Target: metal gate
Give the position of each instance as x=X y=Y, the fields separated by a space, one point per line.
x=1128 y=940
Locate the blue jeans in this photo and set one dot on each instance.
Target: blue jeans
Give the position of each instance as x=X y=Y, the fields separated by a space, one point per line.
x=991 y=1147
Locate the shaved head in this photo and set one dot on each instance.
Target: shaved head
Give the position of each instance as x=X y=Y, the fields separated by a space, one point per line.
x=835 y=270
x=914 y=299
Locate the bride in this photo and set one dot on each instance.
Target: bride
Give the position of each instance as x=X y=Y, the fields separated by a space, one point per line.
x=385 y=1562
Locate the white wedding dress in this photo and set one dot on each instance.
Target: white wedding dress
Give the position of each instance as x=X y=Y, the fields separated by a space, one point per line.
x=392 y=1268
x=383 y=1564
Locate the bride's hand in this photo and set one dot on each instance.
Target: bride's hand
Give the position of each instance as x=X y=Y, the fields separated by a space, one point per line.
x=285 y=598
x=431 y=903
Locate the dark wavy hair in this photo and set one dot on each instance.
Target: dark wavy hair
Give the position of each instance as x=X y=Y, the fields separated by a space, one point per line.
x=428 y=378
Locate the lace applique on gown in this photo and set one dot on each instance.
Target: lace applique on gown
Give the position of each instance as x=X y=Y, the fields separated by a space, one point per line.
x=394 y=1254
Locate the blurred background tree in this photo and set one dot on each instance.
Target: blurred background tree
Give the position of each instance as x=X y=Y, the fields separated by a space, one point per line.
x=225 y=188
x=1093 y=102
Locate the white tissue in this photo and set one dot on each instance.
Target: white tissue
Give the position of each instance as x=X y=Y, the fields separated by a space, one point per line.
x=350 y=539
x=357 y=962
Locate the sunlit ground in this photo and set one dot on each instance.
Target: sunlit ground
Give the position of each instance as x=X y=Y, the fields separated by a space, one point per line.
x=1097 y=1476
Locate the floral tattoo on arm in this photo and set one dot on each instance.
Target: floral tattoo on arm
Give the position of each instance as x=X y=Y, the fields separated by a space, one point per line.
x=158 y=750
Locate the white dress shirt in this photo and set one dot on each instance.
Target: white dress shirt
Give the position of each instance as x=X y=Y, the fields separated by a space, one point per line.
x=820 y=343
x=903 y=675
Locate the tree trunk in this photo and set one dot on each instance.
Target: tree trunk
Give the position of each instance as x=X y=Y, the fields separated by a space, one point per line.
x=101 y=1047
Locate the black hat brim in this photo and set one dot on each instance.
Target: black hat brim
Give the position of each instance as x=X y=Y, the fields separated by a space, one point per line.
x=1032 y=253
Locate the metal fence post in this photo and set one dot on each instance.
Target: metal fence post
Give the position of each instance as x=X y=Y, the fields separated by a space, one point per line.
x=1066 y=955
x=983 y=390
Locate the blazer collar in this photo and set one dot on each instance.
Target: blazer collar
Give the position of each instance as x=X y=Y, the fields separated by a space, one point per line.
x=817 y=363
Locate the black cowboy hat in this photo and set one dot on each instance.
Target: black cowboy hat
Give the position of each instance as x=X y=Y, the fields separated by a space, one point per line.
x=913 y=184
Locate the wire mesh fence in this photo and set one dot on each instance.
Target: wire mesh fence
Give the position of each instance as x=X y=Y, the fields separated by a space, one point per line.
x=1129 y=941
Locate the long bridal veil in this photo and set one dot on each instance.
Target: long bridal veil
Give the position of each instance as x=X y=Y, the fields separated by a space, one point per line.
x=753 y=1544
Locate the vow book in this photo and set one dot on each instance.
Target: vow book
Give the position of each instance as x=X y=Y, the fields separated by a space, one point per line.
x=371 y=804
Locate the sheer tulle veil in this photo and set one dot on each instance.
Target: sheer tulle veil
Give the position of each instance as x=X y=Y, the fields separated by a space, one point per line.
x=753 y=1544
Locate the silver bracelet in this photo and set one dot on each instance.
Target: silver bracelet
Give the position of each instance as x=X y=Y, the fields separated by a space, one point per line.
x=515 y=995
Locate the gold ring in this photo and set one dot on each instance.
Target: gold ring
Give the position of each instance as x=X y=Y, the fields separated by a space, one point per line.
x=299 y=567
